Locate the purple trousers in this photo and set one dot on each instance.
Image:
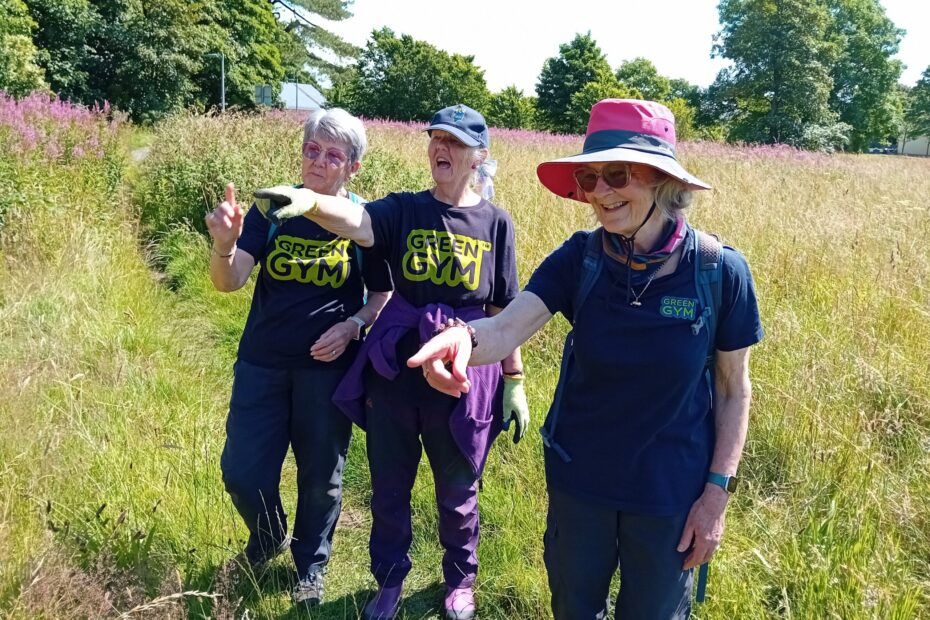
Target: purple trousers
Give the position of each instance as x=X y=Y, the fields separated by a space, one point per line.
x=400 y=415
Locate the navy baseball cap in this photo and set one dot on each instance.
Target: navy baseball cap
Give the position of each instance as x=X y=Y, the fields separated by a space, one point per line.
x=464 y=123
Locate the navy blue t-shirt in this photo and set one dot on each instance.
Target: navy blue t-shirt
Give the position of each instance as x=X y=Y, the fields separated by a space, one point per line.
x=636 y=415
x=309 y=279
x=459 y=256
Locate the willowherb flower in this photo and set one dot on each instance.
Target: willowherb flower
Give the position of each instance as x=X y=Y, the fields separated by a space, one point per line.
x=45 y=127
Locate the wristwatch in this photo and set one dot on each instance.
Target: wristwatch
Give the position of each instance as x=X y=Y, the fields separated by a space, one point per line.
x=727 y=483
x=361 y=326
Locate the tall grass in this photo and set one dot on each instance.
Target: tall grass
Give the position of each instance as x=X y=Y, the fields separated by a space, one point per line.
x=115 y=379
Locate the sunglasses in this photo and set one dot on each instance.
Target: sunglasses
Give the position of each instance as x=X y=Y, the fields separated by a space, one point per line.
x=334 y=157
x=616 y=175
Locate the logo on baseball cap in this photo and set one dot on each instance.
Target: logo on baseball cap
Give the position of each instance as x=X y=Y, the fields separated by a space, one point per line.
x=464 y=123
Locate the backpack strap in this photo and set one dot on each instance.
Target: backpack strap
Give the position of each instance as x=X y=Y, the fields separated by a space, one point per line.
x=590 y=270
x=708 y=279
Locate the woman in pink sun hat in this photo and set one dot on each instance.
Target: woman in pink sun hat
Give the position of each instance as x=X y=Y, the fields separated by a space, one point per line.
x=649 y=417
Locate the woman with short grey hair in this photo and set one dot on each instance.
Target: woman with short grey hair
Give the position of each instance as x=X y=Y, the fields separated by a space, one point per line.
x=308 y=314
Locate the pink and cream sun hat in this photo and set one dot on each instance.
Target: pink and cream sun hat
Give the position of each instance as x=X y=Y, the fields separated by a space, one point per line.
x=628 y=130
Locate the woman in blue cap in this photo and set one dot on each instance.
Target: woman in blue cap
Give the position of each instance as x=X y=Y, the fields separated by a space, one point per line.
x=451 y=254
x=649 y=417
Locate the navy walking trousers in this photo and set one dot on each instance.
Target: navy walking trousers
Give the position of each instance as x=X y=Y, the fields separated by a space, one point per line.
x=269 y=410
x=585 y=543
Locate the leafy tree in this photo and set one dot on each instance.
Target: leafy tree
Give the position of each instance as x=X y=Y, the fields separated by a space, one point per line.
x=407 y=79
x=326 y=56
x=146 y=56
x=509 y=108
x=19 y=71
x=64 y=30
x=685 y=115
x=604 y=86
x=779 y=83
x=864 y=75
x=919 y=109
x=640 y=74
x=579 y=62
x=251 y=38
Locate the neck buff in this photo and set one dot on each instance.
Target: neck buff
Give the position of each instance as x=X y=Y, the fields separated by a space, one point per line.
x=641 y=266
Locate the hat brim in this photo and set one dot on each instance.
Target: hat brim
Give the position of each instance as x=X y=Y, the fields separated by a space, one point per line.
x=462 y=137
x=557 y=177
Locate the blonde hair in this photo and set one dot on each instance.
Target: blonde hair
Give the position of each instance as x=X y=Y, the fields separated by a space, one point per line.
x=672 y=196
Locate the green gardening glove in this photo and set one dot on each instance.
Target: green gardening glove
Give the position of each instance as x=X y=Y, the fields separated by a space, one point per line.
x=283 y=202
x=515 y=407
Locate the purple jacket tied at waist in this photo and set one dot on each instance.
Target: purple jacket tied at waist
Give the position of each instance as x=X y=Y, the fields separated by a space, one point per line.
x=476 y=419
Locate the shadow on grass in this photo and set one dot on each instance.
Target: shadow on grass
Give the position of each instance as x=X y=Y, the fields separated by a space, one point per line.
x=245 y=590
x=422 y=604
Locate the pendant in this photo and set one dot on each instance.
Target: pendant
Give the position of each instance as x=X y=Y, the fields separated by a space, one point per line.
x=635 y=303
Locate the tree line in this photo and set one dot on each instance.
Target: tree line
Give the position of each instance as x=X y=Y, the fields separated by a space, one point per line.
x=149 y=59
x=816 y=74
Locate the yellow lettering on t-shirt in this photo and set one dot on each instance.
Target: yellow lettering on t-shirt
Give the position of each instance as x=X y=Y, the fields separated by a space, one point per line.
x=309 y=261
x=446 y=258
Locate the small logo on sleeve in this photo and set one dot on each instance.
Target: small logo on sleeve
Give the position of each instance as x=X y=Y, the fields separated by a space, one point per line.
x=678 y=308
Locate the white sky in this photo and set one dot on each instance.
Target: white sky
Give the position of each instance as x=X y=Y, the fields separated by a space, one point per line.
x=510 y=39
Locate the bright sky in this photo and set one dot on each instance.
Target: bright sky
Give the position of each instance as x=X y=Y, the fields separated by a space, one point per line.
x=510 y=39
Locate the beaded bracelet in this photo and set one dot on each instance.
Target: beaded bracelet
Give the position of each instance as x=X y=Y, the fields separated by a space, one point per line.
x=457 y=322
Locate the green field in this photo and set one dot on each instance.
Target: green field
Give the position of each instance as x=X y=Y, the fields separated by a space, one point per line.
x=116 y=355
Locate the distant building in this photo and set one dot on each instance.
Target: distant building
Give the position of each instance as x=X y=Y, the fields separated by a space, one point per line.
x=918 y=145
x=297 y=96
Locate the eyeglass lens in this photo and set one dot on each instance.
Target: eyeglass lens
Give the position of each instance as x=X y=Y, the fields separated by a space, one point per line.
x=615 y=175
x=334 y=157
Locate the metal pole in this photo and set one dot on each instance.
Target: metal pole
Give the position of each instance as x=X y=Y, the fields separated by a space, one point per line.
x=296 y=93
x=223 y=81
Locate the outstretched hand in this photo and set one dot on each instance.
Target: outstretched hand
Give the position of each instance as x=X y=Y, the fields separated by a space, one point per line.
x=224 y=223
x=282 y=202
x=444 y=360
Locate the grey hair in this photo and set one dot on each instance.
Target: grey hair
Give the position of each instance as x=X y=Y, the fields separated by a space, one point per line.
x=337 y=125
x=672 y=196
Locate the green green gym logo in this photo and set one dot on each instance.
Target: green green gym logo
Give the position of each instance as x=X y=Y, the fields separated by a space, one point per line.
x=442 y=257
x=323 y=263
x=678 y=308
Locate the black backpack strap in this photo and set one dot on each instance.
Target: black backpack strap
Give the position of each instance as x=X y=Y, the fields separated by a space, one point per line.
x=708 y=279
x=590 y=270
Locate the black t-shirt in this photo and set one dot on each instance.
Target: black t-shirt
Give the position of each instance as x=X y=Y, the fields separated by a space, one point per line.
x=459 y=256
x=309 y=279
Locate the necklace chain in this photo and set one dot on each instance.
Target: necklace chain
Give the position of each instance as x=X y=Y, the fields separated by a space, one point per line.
x=636 y=303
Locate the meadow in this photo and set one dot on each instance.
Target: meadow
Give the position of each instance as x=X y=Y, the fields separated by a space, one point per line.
x=116 y=355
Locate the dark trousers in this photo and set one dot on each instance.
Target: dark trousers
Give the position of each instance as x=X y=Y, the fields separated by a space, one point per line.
x=398 y=416
x=585 y=543
x=269 y=410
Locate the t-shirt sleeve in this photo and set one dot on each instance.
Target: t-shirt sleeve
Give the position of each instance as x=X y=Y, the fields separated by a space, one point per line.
x=740 y=325
x=254 y=236
x=376 y=272
x=506 y=281
x=556 y=279
x=385 y=217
